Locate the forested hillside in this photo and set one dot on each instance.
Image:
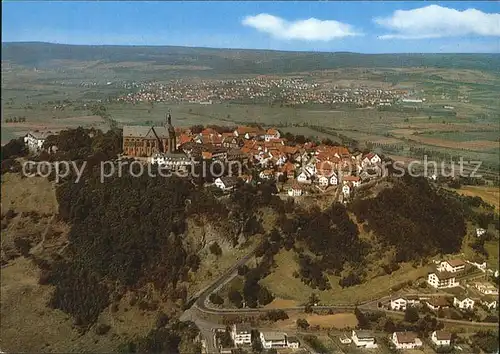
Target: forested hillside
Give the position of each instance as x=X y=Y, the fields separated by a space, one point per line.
x=237 y=61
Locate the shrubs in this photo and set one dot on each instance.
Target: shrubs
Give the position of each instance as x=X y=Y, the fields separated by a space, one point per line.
x=302 y=323
x=216 y=299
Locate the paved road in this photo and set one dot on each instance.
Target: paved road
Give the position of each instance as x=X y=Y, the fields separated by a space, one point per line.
x=201 y=303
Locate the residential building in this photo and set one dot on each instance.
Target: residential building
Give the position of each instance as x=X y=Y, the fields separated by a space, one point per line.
x=437 y=302
x=355 y=181
x=398 y=304
x=34 y=140
x=490 y=301
x=345 y=339
x=363 y=339
x=346 y=190
x=406 y=340
x=463 y=302
x=480 y=232
x=171 y=160
x=292 y=342
x=486 y=288
x=295 y=190
x=441 y=338
x=370 y=160
x=273 y=340
x=442 y=280
x=452 y=266
x=241 y=334
x=226 y=183
x=304 y=177
x=272 y=134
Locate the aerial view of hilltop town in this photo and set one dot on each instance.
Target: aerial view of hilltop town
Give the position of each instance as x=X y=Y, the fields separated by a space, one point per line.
x=272 y=191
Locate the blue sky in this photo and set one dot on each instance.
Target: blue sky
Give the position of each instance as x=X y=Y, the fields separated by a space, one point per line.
x=365 y=27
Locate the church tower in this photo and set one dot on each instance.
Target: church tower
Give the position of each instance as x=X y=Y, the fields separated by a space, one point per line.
x=172 y=143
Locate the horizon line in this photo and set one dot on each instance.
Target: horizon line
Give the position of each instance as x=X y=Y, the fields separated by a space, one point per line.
x=245 y=49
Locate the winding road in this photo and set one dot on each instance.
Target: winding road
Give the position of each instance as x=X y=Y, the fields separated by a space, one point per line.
x=201 y=306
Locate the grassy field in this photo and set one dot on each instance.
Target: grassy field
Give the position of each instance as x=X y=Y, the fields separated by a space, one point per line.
x=282 y=283
x=490 y=195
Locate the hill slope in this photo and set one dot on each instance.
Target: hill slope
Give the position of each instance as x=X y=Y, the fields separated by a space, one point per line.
x=237 y=61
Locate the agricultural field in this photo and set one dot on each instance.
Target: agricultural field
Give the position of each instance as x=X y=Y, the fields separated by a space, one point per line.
x=35 y=90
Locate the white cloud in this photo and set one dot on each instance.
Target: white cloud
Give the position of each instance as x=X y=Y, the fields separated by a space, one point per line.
x=434 y=21
x=311 y=29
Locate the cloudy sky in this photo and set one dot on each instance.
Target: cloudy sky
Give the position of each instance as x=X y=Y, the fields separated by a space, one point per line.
x=376 y=27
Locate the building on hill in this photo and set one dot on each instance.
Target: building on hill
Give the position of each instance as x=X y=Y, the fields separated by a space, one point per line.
x=34 y=140
x=463 y=302
x=142 y=141
x=364 y=339
x=441 y=338
x=441 y=280
x=452 y=266
x=436 y=303
x=490 y=301
x=486 y=288
x=406 y=340
x=241 y=334
x=273 y=340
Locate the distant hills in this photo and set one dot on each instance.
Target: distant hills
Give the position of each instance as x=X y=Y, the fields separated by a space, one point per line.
x=237 y=61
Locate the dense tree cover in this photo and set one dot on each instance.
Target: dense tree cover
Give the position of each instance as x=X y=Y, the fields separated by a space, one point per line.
x=413 y=217
x=486 y=340
x=9 y=152
x=379 y=321
x=84 y=144
x=166 y=339
x=332 y=237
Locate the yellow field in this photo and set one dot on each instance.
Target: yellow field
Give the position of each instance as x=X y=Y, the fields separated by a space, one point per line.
x=490 y=195
x=336 y=321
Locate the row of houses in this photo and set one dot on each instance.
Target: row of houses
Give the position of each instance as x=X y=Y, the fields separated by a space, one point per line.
x=241 y=335
x=401 y=340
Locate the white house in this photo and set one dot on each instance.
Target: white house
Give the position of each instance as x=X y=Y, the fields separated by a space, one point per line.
x=292 y=342
x=355 y=181
x=370 y=160
x=363 y=339
x=346 y=190
x=272 y=134
x=480 y=232
x=334 y=180
x=304 y=177
x=489 y=301
x=406 y=340
x=452 y=266
x=241 y=334
x=436 y=303
x=345 y=339
x=323 y=181
x=442 y=280
x=486 y=288
x=463 y=302
x=441 y=338
x=266 y=174
x=398 y=304
x=34 y=140
x=273 y=340
x=226 y=183
x=295 y=191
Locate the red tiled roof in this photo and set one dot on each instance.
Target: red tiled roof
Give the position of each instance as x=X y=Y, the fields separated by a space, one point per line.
x=352 y=178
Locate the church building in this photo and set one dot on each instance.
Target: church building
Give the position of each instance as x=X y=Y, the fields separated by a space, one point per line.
x=141 y=141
